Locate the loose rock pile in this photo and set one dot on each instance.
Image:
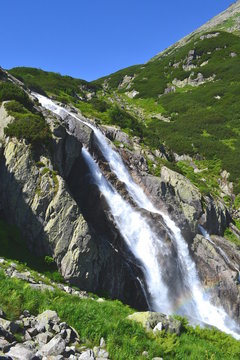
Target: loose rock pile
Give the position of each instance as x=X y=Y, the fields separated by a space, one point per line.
x=44 y=337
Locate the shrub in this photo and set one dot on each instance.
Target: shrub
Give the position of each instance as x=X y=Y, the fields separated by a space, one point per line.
x=125 y=121
x=32 y=128
x=9 y=91
x=99 y=105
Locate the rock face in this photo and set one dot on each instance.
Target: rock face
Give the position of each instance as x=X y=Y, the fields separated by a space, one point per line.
x=185 y=203
x=41 y=193
x=218 y=265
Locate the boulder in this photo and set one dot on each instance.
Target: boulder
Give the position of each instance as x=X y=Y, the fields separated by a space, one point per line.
x=152 y=320
x=47 y=318
x=20 y=352
x=87 y=355
x=54 y=347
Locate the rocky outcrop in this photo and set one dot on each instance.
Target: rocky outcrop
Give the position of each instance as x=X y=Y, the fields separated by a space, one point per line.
x=218 y=262
x=185 y=203
x=5 y=120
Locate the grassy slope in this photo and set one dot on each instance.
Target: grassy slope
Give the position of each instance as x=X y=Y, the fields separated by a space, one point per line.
x=92 y=319
x=200 y=123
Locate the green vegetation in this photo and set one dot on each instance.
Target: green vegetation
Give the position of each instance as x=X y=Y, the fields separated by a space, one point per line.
x=44 y=82
x=27 y=125
x=228 y=234
x=125 y=121
x=204 y=119
x=9 y=91
x=126 y=340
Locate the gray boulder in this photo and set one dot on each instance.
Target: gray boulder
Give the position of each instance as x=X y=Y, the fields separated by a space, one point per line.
x=20 y=352
x=152 y=320
x=87 y=355
x=54 y=347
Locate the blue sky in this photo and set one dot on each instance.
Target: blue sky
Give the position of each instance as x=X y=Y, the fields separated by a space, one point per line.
x=92 y=38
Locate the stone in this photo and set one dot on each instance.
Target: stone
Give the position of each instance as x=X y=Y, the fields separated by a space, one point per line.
x=42 y=287
x=2 y=314
x=32 y=332
x=150 y=320
x=10 y=326
x=103 y=354
x=26 y=313
x=56 y=328
x=4 y=345
x=43 y=338
x=158 y=328
x=87 y=355
x=48 y=316
x=20 y=352
x=102 y=343
x=55 y=346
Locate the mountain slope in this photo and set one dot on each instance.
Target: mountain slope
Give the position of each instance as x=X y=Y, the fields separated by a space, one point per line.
x=185 y=101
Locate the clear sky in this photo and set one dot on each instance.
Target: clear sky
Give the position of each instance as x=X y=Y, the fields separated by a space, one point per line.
x=92 y=38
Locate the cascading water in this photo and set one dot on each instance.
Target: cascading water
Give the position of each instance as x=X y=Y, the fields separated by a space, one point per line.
x=146 y=245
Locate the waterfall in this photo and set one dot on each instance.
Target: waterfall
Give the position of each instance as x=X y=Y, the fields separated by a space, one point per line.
x=147 y=246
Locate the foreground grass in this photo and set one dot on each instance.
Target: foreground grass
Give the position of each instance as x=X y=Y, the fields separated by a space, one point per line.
x=125 y=339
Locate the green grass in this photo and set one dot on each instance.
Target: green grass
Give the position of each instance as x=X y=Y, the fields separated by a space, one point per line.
x=228 y=234
x=125 y=339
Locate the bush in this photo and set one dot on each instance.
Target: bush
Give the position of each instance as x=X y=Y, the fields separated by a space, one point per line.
x=32 y=128
x=15 y=107
x=99 y=105
x=9 y=91
x=125 y=121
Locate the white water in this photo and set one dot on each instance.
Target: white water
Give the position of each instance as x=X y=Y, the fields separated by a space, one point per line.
x=146 y=245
